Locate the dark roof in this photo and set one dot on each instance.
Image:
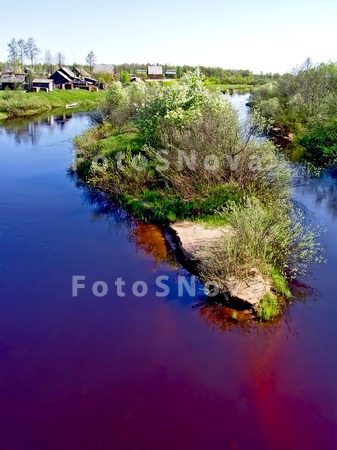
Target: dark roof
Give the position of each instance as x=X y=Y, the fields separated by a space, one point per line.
x=62 y=74
x=12 y=78
x=90 y=80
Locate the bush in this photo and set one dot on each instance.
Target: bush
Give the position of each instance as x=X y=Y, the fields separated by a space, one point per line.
x=268 y=238
x=120 y=104
x=176 y=104
x=321 y=144
x=270 y=108
x=304 y=98
x=264 y=92
x=268 y=308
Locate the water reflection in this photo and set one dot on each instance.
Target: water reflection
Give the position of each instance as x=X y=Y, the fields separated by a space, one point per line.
x=324 y=191
x=149 y=238
x=29 y=130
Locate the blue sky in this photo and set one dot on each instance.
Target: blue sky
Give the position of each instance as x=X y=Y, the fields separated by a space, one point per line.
x=259 y=35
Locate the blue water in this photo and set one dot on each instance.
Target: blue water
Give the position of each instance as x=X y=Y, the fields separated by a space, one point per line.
x=146 y=373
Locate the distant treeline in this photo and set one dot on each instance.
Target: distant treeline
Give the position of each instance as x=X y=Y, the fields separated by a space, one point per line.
x=216 y=75
x=25 y=53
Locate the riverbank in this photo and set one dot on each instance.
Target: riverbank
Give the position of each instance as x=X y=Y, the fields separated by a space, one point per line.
x=177 y=153
x=20 y=104
x=302 y=109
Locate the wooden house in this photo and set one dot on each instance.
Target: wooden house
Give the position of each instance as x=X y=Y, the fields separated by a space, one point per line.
x=155 y=72
x=13 y=81
x=84 y=75
x=65 y=78
x=42 y=84
x=171 y=73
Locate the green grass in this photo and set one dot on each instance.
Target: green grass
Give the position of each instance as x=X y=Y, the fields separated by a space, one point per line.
x=19 y=104
x=268 y=308
x=119 y=142
x=168 y=207
x=280 y=283
x=211 y=220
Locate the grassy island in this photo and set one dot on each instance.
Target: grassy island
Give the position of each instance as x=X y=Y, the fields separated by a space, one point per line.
x=178 y=152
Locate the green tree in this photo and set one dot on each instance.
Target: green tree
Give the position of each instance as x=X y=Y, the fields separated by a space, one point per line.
x=13 y=55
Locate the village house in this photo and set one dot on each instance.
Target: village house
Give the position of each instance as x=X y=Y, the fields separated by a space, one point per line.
x=13 y=81
x=42 y=84
x=155 y=72
x=84 y=75
x=65 y=78
x=171 y=73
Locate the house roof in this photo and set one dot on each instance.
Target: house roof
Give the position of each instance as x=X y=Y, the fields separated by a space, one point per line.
x=12 y=78
x=81 y=72
x=62 y=74
x=67 y=71
x=90 y=80
x=42 y=80
x=155 y=70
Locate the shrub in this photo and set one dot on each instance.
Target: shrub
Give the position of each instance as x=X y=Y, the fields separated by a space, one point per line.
x=120 y=104
x=270 y=239
x=264 y=92
x=280 y=283
x=321 y=143
x=268 y=308
x=176 y=104
x=270 y=108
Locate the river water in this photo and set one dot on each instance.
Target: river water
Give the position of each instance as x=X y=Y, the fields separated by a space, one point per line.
x=150 y=373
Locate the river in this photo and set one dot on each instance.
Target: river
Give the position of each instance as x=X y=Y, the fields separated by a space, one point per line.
x=149 y=373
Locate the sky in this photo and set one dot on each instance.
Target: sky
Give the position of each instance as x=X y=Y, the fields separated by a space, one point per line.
x=260 y=35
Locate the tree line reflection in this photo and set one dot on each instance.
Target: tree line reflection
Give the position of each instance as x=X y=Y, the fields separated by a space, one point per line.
x=29 y=130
